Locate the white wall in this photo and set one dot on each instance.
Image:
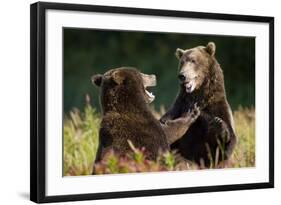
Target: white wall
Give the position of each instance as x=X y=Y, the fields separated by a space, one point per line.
x=14 y=104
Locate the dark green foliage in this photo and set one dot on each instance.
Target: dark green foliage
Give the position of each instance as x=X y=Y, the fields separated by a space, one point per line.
x=95 y=51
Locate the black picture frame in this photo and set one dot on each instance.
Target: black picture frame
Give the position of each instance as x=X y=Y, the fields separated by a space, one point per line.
x=38 y=100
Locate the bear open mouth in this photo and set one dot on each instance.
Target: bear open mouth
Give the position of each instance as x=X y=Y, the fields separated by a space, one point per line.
x=189 y=86
x=150 y=95
x=148 y=81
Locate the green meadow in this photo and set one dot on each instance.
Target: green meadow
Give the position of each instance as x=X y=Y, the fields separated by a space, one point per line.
x=81 y=138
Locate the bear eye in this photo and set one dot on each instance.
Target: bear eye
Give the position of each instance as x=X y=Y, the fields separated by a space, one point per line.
x=181 y=62
x=193 y=61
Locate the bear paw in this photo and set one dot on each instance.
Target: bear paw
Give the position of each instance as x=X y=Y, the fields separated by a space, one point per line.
x=192 y=114
x=217 y=123
x=220 y=127
x=218 y=120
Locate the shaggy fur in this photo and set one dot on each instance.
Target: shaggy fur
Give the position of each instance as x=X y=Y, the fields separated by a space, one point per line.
x=211 y=137
x=126 y=116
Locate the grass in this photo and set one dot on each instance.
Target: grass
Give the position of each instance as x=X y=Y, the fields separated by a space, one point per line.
x=244 y=153
x=81 y=142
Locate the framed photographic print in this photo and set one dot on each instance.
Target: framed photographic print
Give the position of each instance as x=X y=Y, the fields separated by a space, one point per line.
x=129 y=102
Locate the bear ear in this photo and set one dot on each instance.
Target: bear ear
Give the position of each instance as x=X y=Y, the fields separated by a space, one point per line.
x=97 y=79
x=211 y=48
x=118 y=77
x=179 y=52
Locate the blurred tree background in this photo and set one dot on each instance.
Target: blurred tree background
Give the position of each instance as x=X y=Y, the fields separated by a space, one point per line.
x=87 y=52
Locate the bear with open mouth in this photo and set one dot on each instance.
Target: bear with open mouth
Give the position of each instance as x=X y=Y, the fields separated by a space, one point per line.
x=211 y=137
x=126 y=114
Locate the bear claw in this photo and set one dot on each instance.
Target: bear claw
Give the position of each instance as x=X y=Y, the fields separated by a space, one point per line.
x=218 y=120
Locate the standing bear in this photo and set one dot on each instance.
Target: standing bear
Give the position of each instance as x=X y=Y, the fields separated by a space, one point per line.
x=126 y=114
x=211 y=138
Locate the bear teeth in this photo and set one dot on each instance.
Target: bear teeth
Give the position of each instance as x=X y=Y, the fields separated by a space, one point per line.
x=151 y=97
x=150 y=94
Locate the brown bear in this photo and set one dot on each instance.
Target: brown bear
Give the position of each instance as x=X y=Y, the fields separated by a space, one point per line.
x=210 y=140
x=126 y=114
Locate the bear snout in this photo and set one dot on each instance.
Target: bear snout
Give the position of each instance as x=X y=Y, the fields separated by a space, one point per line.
x=181 y=77
x=97 y=79
x=148 y=80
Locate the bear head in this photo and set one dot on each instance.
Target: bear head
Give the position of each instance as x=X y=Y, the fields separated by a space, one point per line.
x=195 y=65
x=123 y=86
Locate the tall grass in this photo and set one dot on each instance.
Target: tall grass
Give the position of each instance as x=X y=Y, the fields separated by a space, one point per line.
x=81 y=142
x=244 y=153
